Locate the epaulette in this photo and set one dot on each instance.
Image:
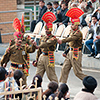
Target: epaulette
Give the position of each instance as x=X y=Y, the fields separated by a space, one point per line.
x=9 y=48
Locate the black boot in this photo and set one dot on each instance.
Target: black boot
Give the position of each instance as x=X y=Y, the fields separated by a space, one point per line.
x=91 y=55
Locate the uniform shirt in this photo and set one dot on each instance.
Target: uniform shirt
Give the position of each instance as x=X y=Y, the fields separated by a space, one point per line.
x=75 y=39
x=15 y=55
x=48 y=43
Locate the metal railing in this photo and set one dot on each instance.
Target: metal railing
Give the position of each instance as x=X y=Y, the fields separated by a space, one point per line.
x=12 y=11
x=26 y=93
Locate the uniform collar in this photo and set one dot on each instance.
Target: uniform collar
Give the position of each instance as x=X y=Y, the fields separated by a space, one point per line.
x=18 y=47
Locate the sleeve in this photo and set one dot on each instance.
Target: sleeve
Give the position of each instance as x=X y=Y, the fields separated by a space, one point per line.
x=48 y=43
x=39 y=52
x=6 y=57
x=73 y=37
x=30 y=49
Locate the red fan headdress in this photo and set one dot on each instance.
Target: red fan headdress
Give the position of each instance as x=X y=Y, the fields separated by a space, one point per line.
x=17 y=27
x=75 y=13
x=49 y=17
x=22 y=24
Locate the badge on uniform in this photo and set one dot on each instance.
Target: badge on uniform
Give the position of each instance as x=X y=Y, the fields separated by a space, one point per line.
x=23 y=52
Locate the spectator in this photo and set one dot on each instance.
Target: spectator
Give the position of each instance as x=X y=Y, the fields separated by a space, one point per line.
x=42 y=10
x=98 y=40
x=39 y=81
x=8 y=76
x=89 y=42
x=63 y=91
x=52 y=88
x=66 y=1
x=49 y=7
x=61 y=17
x=87 y=92
x=97 y=13
x=39 y=84
x=17 y=75
x=56 y=7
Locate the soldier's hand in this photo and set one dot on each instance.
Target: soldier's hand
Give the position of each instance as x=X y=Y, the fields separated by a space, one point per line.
x=64 y=55
x=4 y=65
x=98 y=37
x=31 y=40
x=34 y=43
x=59 y=41
x=37 y=47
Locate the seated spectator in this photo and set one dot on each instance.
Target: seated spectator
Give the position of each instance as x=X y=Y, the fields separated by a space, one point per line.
x=42 y=10
x=39 y=84
x=17 y=75
x=89 y=42
x=39 y=81
x=66 y=1
x=97 y=40
x=8 y=76
x=97 y=13
x=61 y=17
x=52 y=88
x=49 y=7
x=90 y=84
x=56 y=7
x=62 y=92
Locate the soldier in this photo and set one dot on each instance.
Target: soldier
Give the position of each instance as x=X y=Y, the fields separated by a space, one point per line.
x=74 y=56
x=17 y=53
x=46 y=50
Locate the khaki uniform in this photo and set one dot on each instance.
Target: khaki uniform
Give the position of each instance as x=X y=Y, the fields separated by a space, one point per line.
x=74 y=56
x=46 y=44
x=17 y=56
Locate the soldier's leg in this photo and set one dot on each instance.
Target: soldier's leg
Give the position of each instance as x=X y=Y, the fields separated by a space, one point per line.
x=50 y=71
x=40 y=66
x=77 y=67
x=65 y=70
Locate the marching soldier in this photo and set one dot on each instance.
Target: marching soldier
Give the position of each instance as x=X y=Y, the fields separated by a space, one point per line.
x=17 y=53
x=74 y=56
x=46 y=50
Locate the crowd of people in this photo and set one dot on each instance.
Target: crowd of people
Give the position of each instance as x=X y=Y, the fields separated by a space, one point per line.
x=19 y=48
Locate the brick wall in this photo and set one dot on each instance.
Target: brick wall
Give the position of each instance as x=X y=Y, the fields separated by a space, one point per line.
x=6 y=5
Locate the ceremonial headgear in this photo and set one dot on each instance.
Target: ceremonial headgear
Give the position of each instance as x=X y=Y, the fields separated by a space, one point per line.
x=19 y=27
x=74 y=14
x=49 y=17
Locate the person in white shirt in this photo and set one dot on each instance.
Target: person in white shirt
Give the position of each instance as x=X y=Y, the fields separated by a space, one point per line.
x=91 y=41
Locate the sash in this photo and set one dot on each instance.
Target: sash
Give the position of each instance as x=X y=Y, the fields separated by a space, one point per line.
x=51 y=58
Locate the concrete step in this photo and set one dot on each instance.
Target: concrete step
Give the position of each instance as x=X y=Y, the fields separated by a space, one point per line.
x=87 y=62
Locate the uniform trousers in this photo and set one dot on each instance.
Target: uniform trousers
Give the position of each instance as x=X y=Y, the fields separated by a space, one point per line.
x=42 y=67
x=68 y=64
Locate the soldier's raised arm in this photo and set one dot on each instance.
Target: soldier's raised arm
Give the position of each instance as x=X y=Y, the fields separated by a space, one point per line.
x=73 y=37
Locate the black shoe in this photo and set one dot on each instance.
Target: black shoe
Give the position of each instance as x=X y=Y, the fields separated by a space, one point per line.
x=91 y=55
x=95 y=55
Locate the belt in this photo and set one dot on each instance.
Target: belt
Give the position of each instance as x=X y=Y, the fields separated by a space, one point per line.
x=75 y=47
x=18 y=66
x=45 y=53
